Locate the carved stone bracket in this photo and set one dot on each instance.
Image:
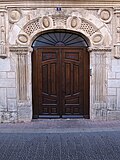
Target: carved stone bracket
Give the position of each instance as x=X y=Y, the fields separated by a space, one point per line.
x=3 y=53
x=22 y=61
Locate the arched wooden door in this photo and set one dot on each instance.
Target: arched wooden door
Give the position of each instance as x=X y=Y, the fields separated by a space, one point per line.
x=60 y=82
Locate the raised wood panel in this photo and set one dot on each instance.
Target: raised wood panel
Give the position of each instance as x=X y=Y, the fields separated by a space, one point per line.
x=73 y=81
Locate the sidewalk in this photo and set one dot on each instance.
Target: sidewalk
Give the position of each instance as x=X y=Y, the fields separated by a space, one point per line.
x=60 y=126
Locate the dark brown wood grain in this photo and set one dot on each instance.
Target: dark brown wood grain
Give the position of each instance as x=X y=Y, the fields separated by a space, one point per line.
x=60 y=80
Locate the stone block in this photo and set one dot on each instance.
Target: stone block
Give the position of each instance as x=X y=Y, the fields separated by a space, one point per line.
x=24 y=113
x=11 y=93
x=94 y=20
x=14 y=34
x=3 y=97
x=6 y=117
x=98 y=111
x=113 y=115
x=115 y=62
x=111 y=103
x=13 y=63
x=118 y=75
x=112 y=91
x=3 y=108
x=2 y=75
x=107 y=36
x=111 y=75
x=22 y=22
x=12 y=105
x=7 y=83
x=114 y=83
x=11 y=75
x=116 y=68
x=13 y=117
x=5 y=64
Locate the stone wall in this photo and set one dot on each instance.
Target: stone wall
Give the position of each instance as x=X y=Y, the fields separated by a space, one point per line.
x=20 y=24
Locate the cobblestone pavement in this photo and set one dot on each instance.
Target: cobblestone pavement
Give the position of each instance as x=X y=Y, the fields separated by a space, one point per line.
x=60 y=140
x=60 y=146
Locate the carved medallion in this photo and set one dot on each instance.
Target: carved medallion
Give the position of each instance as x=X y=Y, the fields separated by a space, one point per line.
x=14 y=15
x=74 y=22
x=46 y=22
x=22 y=38
x=105 y=15
x=97 y=38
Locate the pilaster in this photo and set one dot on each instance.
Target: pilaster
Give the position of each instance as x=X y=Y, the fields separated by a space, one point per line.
x=117 y=33
x=3 y=25
x=22 y=64
x=98 y=58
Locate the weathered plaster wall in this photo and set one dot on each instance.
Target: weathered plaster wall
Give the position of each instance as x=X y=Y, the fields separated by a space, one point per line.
x=20 y=24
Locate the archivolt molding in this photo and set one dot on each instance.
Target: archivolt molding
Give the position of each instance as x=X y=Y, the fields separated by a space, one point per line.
x=86 y=24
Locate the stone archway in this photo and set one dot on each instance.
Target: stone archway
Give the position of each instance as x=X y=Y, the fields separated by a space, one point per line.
x=99 y=40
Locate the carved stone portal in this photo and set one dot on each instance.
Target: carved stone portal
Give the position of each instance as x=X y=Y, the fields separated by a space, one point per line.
x=95 y=34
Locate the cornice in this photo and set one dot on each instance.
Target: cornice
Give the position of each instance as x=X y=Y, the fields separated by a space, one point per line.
x=62 y=3
x=19 y=50
x=90 y=49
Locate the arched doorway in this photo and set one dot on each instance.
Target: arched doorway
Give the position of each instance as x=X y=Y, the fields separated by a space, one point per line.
x=60 y=75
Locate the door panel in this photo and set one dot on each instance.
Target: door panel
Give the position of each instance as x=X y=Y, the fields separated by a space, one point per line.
x=47 y=100
x=60 y=82
x=73 y=88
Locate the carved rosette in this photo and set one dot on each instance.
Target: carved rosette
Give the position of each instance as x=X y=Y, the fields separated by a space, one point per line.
x=14 y=15
x=105 y=15
x=74 y=22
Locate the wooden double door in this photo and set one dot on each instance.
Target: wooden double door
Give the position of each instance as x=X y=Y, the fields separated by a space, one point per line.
x=60 y=80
